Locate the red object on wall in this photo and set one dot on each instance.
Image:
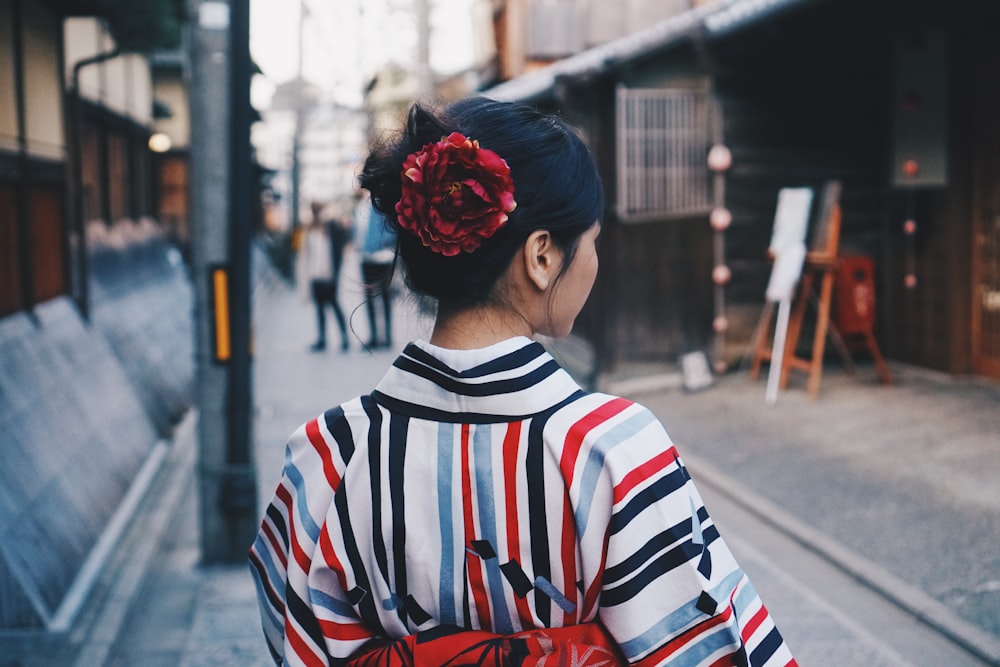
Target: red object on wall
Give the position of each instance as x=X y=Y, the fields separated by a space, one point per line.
x=855 y=302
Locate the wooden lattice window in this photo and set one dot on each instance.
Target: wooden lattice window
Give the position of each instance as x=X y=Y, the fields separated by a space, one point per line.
x=663 y=137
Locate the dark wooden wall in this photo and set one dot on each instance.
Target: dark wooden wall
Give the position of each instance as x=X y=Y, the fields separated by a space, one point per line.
x=33 y=259
x=806 y=96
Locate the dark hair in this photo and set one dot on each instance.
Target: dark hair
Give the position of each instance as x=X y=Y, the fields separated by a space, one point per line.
x=556 y=186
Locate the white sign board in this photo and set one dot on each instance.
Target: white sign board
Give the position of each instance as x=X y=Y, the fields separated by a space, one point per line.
x=791 y=218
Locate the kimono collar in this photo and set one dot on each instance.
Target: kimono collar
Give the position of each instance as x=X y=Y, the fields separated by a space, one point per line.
x=508 y=381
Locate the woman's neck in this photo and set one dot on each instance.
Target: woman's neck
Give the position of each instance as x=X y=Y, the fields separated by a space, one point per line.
x=474 y=328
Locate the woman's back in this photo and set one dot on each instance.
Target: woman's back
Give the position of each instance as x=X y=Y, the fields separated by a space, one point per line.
x=483 y=489
x=478 y=507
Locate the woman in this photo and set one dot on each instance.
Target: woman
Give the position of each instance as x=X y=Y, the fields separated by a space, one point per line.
x=478 y=507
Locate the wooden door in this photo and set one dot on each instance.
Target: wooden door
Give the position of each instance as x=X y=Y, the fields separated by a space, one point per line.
x=986 y=235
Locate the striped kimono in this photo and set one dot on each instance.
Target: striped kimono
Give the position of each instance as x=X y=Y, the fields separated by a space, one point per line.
x=484 y=490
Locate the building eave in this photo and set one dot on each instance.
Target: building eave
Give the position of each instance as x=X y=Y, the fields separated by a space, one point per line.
x=709 y=21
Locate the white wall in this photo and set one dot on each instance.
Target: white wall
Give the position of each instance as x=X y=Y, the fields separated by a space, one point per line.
x=43 y=97
x=123 y=84
x=8 y=106
x=169 y=88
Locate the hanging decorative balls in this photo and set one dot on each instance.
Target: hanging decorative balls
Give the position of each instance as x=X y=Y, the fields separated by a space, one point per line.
x=910 y=168
x=720 y=324
x=720 y=219
x=910 y=227
x=719 y=158
x=721 y=274
x=910 y=280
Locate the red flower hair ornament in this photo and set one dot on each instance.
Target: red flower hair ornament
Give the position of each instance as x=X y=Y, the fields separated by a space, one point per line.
x=455 y=194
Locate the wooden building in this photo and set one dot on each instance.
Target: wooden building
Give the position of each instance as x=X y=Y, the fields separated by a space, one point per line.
x=33 y=251
x=897 y=100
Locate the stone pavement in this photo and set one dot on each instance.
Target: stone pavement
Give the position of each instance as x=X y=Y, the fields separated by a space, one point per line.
x=830 y=505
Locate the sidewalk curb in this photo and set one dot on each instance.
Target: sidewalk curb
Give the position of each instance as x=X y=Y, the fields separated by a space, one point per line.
x=97 y=559
x=923 y=607
x=130 y=576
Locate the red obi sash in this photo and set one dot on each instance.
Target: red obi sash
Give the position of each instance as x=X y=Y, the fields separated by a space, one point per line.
x=585 y=645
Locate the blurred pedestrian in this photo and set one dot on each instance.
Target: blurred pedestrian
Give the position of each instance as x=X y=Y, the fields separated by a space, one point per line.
x=320 y=259
x=378 y=256
x=479 y=507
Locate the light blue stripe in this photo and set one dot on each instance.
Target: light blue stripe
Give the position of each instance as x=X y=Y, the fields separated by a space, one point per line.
x=262 y=548
x=482 y=443
x=746 y=597
x=679 y=620
x=595 y=462
x=697 y=535
x=547 y=587
x=725 y=636
x=330 y=603
x=305 y=520
x=445 y=456
x=276 y=620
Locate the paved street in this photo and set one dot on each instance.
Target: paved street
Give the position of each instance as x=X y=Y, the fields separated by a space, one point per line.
x=829 y=505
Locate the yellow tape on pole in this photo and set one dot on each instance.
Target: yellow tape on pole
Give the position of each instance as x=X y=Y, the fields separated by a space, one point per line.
x=220 y=284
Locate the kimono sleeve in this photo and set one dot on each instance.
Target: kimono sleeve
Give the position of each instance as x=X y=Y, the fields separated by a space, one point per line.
x=304 y=611
x=672 y=592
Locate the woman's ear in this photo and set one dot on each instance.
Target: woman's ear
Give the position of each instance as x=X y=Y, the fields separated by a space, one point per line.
x=542 y=259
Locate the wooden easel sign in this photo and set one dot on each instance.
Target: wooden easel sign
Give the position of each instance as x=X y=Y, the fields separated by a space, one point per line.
x=788 y=246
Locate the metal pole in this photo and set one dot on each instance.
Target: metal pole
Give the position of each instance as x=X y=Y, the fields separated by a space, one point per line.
x=423 y=48
x=80 y=278
x=227 y=503
x=297 y=135
x=239 y=497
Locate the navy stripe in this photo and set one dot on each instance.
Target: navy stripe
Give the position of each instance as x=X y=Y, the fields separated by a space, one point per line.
x=671 y=560
x=303 y=615
x=366 y=605
x=275 y=654
x=537 y=524
x=508 y=362
x=767 y=647
x=494 y=388
x=397 y=453
x=279 y=522
x=255 y=562
x=415 y=411
x=375 y=478
x=656 y=544
x=340 y=429
x=657 y=491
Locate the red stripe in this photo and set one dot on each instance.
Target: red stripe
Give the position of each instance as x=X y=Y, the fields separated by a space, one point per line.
x=510 y=456
x=274 y=600
x=567 y=465
x=330 y=558
x=569 y=557
x=684 y=639
x=344 y=632
x=579 y=430
x=285 y=496
x=755 y=622
x=725 y=661
x=300 y=556
x=302 y=650
x=319 y=444
x=644 y=472
x=590 y=599
x=277 y=547
x=792 y=663
x=297 y=552
x=474 y=563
